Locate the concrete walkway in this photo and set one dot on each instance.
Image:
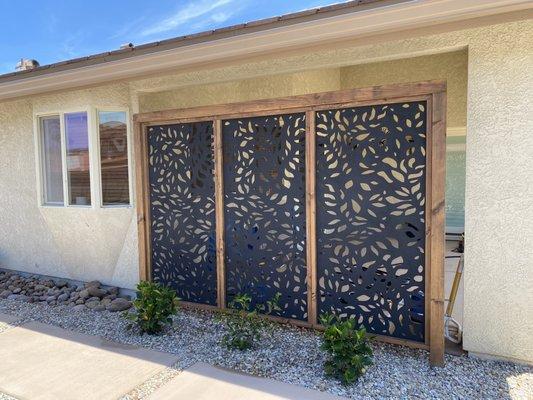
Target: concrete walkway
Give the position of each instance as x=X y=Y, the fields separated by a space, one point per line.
x=43 y=362
x=204 y=382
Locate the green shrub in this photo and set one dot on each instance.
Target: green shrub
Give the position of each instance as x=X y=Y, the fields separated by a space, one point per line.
x=154 y=306
x=243 y=324
x=348 y=348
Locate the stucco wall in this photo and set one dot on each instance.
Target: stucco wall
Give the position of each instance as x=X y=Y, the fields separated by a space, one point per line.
x=451 y=67
x=499 y=183
x=499 y=194
x=242 y=90
x=75 y=243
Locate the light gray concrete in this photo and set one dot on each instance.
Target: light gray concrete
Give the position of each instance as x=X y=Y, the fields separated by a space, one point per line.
x=205 y=382
x=8 y=319
x=42 y=362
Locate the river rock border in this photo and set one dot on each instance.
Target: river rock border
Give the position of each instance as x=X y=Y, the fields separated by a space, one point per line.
x=38 y=289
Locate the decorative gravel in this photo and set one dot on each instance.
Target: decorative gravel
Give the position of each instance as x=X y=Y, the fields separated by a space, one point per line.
x=292 y=355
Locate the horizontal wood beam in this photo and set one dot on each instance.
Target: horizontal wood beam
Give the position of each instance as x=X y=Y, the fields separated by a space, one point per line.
x=373 y=93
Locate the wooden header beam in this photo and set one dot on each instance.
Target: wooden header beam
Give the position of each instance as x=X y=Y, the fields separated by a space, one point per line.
x=373 y=93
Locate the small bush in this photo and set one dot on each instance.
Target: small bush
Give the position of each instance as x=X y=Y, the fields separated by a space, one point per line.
x=154 y=306
x=348 y=349
x=244 y=324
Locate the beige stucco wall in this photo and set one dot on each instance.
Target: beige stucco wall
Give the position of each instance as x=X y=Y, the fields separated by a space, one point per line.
x=499 y=195
x=264 y=87
x=451 y=67
x=75 y=243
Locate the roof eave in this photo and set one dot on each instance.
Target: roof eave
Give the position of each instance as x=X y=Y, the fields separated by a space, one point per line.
x=393 y=16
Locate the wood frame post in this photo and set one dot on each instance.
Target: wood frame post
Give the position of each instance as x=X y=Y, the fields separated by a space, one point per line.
x=219 y=213
x=141 y=193
x=310 y=215
x=436 y=143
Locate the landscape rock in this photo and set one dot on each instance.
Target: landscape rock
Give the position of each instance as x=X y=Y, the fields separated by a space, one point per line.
x=49 y=299
x=105 y=302
x=119 y=304
x=92 y=304
x=113 y=290
x=36 y=289
x=93 y=284
x=18 y=297
x=96 y=291
x=63 y=297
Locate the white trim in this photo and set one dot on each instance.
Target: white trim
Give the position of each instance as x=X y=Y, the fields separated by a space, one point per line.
x=38 y=159
x=66 y=193
x=360 y=22
x=93 y=166
x=97 y=158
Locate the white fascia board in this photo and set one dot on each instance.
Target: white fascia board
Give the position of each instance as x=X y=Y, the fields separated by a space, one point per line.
x=390 y=18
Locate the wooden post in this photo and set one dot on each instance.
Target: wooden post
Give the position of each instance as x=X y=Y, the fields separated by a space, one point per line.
x=310 y=215
x=437 y=223
x=219 y=214
x=140 y=193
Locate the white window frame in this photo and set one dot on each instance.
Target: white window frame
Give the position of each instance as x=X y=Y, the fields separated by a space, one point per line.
x=95 y=177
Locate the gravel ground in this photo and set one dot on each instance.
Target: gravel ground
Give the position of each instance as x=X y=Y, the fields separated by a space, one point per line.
x=292 y=355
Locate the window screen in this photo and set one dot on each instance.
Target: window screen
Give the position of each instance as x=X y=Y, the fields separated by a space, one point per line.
x=52 y=164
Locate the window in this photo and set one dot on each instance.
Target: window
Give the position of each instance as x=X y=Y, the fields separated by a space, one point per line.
x=455 y=183
x=112 y=129
x=84 y=163
x=52 y=163
x=78 y=173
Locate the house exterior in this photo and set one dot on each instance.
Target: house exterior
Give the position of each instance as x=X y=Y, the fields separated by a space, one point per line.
x=73 y=158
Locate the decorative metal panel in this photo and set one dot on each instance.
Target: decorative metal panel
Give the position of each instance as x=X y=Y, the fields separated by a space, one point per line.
x=371 y=176
x=264 y=195
x=182 y=208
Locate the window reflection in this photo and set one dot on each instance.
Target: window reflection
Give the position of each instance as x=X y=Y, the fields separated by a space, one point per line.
x=77 y=143
x=114 y=157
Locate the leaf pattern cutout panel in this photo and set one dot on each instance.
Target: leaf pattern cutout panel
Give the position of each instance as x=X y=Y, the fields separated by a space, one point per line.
x=182 y=207
x=264 y=195
x=371 y=176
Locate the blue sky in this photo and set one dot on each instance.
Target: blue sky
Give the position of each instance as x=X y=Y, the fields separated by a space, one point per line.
x=51 y=31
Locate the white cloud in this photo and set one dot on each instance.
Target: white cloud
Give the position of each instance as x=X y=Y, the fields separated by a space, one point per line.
x=194 y=10
x=221 y=17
